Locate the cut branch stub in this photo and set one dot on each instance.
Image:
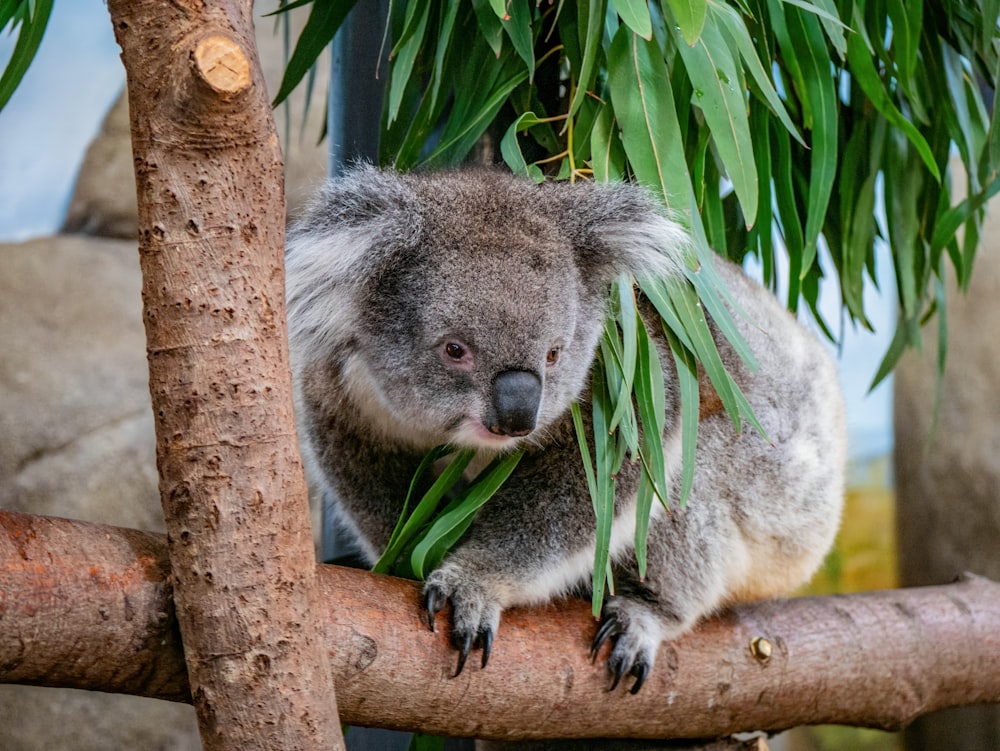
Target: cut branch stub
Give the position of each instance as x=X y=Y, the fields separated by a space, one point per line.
x=222 y=64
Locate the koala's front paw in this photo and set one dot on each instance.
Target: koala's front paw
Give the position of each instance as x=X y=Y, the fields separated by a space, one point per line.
x=637 y=633
x=475 y=613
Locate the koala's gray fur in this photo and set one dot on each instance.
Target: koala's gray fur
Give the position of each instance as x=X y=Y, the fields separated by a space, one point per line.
x=465 y=308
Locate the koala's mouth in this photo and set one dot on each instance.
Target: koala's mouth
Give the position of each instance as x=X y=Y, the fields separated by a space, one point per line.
x=471 y=433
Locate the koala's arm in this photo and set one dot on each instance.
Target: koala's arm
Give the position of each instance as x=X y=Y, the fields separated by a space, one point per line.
x=533 y=541
x=368 y=476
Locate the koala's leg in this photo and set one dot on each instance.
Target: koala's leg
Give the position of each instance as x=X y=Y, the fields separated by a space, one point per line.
x=761 y=516
x=686 y=578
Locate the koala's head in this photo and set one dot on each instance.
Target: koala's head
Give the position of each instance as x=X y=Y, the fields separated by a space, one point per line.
x=463 y=307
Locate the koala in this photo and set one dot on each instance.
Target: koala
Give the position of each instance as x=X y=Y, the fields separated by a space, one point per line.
x=464 y=308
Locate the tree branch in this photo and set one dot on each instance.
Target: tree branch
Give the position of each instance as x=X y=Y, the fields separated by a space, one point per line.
x=88 y=606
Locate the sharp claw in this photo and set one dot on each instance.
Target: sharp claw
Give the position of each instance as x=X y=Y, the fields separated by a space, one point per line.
x=463 y=652
x=618 y=672
x=434 y=601
x=486 y=637
x=640 y=670
x=608 y=626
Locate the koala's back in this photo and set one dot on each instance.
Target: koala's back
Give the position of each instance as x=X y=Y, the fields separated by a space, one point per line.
x=783 y=494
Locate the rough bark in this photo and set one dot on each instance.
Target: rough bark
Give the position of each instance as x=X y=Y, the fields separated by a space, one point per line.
x=83 y=605
x=211 y=237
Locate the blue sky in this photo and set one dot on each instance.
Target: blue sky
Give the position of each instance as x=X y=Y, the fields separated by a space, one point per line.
x=49 y=121
x=45 y=129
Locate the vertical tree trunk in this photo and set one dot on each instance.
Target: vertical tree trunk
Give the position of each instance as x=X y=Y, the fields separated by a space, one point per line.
x=947 y=476
x=211 y=236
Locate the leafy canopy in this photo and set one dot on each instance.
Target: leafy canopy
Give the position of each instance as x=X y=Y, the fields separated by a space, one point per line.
x=770 y=127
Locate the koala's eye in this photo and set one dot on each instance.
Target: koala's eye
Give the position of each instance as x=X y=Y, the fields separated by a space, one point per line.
x=454 y=350
x=553 y=356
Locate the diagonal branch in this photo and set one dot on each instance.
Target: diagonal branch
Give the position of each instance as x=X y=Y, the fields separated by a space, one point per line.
x=89 y=606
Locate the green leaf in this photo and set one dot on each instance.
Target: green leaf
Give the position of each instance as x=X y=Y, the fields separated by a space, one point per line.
x=692 y=316
x=687 y=380
x=463 y=132
x=405 y=54
x=690 y=15
x=635 y=14
x=517 y=24
x=445 y=34
x=968 y=109
x=722 y=100
x=511 y=149
x=949 y=222
x=800 y=36
x=863 y=70
x=862 y=159
x=421 y=742
x=907 y=333
x=607 y=154
x=584 y=444
x=650 y=398
x=452 y=523
x=901 y=217
x=32 y=24
x=406 y=532
x=735 y=32
x=643 y=102
x=324 y=20
x=489 y=23
x=711 y=292
x=907 y=25
x=627 y=319
x=761 y=235
x=604 y=452
x=826 y=11
x=590 y=35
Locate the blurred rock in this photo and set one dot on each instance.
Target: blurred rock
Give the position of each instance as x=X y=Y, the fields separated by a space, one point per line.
x=76 y=440
x=76 y=429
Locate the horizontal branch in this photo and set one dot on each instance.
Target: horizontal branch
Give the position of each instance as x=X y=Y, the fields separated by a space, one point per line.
x=89 y=606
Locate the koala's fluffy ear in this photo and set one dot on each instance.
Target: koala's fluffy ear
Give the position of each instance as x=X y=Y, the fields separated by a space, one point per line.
x=350 y=229
x=618 y=228
x=365 y=204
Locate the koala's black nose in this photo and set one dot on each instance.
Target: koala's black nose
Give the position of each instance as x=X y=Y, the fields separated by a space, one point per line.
x=516 y=396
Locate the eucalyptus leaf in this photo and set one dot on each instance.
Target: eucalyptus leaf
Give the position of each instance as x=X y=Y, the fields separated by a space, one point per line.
x=517 y=25
x=324 y=20
x=591 y=35
x=511 y=149
x=31 y=23
x=690 y=15
x=407 y=531
x=452 y=523
x=604 y=453
x=635 y=14
x=735 y=31
x=405 y=53
x=643 y=105
x=713 y=73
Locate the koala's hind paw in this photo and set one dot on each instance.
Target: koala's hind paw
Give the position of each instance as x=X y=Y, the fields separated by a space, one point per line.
x=636 y=633
x=475 y=616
